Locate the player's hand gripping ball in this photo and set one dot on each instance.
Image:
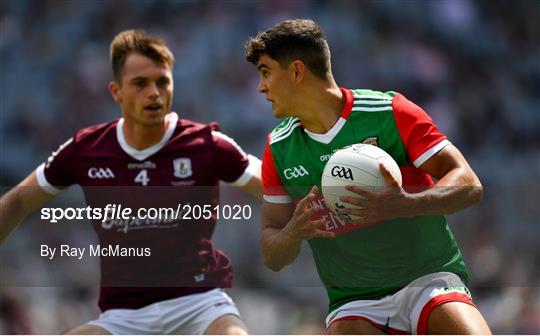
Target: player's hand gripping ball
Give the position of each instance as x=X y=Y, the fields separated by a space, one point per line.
x=358 y=165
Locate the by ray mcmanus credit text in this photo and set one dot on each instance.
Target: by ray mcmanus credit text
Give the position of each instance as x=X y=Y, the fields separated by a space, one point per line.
x=66 y=250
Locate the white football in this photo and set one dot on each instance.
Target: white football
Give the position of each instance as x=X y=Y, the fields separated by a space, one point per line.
x=355 y=164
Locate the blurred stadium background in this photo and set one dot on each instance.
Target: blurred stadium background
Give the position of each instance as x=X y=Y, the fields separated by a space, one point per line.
x=473 y=65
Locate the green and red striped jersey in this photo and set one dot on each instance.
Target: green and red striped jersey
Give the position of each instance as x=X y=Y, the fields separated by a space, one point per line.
x=368 y=263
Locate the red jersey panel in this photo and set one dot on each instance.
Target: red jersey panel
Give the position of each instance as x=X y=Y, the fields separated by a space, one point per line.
x=183 y=169
x=417 y=130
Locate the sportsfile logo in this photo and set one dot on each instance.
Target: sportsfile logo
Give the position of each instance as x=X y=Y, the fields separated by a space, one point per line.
x=342 y=172
x=100 y=173
x=295 y=172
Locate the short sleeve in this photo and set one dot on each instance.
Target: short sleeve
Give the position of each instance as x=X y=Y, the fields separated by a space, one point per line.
x=273 y=189
x=418 y=132
x=236 y=167
x=55 y=174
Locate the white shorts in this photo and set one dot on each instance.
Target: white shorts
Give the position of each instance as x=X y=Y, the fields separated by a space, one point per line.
x=191 y=314
x=408 y=310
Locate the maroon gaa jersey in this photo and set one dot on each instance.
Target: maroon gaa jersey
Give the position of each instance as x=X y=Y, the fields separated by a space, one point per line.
x=184 y=168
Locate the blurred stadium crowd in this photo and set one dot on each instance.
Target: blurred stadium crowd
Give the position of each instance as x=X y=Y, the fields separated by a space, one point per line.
x=473 y=65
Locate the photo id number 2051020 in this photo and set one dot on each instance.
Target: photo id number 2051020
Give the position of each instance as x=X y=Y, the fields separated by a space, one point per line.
x=206 y=211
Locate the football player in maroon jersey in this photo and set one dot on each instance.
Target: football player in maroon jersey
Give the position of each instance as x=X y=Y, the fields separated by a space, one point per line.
x=159 y=160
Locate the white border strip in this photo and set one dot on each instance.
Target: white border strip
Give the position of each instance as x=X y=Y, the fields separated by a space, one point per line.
x=327 y=137
x=372 y=102
x=253 y=169
x=172 y=119
x=372 y=109
x=363 y=96
x=282 y=199
x=281 y=137
x=284 y=129
x=43 y=183
x=430 y=152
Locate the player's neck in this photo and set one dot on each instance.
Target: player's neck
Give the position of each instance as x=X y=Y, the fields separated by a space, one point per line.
x=140 y=136
x=321 y=108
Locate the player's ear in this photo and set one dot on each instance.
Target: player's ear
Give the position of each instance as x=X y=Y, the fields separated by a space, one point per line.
x=298 y=70
x=114 y=89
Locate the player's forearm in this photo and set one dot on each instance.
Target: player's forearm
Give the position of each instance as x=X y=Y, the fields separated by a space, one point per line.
x=19 y=202
x=457 y=190
x=254 y=187
x=278 y=248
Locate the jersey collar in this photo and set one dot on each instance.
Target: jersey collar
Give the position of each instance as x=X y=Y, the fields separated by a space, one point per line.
x=327 y=137
x=172 y=119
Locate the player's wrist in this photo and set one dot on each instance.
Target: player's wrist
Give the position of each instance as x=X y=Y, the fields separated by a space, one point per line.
x=411 y=204
x=289 y=236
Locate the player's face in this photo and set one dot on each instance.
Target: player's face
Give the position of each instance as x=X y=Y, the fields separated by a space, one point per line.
x=276 y=83
x=145 y=92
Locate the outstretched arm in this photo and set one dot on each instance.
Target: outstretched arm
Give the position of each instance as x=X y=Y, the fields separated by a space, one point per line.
x=19 y=202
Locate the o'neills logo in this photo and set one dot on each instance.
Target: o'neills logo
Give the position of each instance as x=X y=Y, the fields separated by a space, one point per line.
x=142 y=165
x=326 y=157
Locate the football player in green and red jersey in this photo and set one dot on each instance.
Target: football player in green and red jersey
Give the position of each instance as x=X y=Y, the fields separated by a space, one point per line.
x=399 y=269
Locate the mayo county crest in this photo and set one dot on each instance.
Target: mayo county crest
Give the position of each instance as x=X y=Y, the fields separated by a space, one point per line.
x=373 y=140
x=182 y=167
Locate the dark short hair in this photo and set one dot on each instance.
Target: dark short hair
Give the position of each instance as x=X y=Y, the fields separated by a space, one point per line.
x=298 y=39
x=136 y=41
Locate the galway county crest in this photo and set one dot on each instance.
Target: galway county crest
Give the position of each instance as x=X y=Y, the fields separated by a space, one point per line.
x=182 y=167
